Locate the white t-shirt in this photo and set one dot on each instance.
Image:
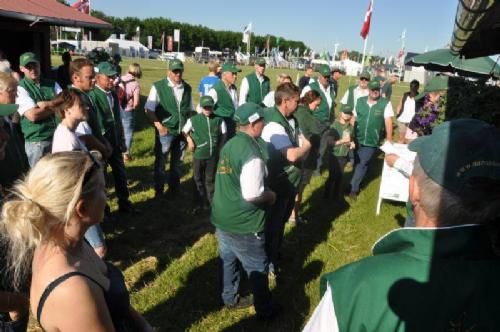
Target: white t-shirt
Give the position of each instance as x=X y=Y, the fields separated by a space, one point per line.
x=245 y=88
x=154 y=98
x=24 y=100
x=252 y=177
x=275 y=134
x=408 y=110
x=358 y=93
x=269 y=99
x=66 y=140
x=232 y=93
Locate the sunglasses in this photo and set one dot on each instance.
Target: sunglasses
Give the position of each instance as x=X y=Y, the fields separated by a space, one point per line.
x=91 y=170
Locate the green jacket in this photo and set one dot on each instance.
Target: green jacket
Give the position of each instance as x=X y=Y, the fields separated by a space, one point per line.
x=109 y=119
x=324 y=112
x=310 y=127
x=283 y=174
x=338 y=130
x=206 y=134
x=224 y=106
x=230 y=211
x=257 y=90
x=42 y=130
x=420 y=279
x=173 y=115
x=370 y=121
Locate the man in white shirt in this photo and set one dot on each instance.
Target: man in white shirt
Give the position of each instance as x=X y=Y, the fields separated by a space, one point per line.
x=354 y=92
x=255 y=86
x=168 y=106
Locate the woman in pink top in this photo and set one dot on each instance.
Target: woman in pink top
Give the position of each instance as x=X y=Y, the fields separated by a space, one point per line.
x=132 y=90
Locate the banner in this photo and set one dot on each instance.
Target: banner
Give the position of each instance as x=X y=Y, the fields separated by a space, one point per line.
x=246 y=33
x=365 y=30
x=82 y=6
x=170 y=44
x=150 y=42
x=177 y=35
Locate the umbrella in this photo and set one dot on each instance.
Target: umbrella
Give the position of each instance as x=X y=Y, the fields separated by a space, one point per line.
x=444 y=61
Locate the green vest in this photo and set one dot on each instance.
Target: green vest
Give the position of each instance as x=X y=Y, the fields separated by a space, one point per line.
x=420 y=280
x=282 y=173
x=257 y=90
x=350 y=96
x=370 y=122
x=41 y=130
x=108 y=118
x=206 y=135
x=224 y=106
x=173 y=115
x=323 y=112
x=339 y=130
x=309 y=126
x=92 y=116
x=230 y=211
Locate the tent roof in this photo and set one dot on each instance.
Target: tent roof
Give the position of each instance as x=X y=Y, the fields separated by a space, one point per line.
x=50 y=12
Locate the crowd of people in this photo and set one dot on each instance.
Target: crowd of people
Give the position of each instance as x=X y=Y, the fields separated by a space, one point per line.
x=254 y=152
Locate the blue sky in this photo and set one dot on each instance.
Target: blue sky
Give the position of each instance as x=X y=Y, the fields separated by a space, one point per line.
x=319 y=23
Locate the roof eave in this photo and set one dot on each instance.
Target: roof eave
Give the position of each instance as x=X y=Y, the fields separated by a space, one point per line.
x=54 y=20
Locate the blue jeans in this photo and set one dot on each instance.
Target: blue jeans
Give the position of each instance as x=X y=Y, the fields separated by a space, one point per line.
x=95 y=236
x=128 y=122
x=249 y=250
x=36 y=150
x=175 y=146
x=362 y=158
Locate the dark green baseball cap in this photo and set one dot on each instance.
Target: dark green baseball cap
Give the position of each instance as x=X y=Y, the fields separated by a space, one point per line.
x=457 y=152
x=324 y=70
x=175 y=64
x=8 y=109
x=106 y=68
x=206 y=101
x=437 y=83
x=346 y=109
x=379 y=78
x=230 y=67
x=248 y=113
x=374 y=85
x=365 y=74
x=28 y=57
x=260 y=61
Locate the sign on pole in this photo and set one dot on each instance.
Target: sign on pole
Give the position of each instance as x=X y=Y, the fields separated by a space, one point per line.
x=394 y=185
x=177 y=38
x=150 y=42
x=170 y=44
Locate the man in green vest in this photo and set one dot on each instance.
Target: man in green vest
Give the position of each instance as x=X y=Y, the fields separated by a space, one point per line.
x=373 y=114
x=168 y=106
x=255 y=86
x=108 y=116
x=238 y=212
x=326 y=110
x=287 y=146
x=225 y=96
x=441 y=275
x=356 y=91
x=38 y=121
x=205 y=134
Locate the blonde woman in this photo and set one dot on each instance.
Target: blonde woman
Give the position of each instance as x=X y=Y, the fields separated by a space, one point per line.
x=45 y=222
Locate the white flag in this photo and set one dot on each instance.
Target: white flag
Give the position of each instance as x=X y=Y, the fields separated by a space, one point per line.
x=246 y=32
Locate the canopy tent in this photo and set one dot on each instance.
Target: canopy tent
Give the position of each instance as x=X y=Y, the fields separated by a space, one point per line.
x=477 y=28
x=444 y=60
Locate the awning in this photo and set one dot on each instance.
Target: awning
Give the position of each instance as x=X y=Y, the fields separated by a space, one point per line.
x=476 y=30
x=49 y=12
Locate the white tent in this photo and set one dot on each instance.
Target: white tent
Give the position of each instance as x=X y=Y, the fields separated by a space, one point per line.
x=352 y=68
x=130 y=48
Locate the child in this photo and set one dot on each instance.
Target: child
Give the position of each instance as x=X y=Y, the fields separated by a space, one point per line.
x=205 y=134
x=341 y=132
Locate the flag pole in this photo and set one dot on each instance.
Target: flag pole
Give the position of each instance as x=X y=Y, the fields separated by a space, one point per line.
x=90 y=13
x=363 y=57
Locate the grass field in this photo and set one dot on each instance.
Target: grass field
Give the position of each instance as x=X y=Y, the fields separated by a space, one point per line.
x=170 y=258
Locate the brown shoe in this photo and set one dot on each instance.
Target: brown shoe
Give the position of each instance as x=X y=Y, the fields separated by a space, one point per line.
x=126 y=158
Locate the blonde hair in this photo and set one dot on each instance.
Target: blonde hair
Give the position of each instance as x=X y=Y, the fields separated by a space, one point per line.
x=212 y=66
x=43 y=201
x=6 y=81
x=135 y=70
x=282 y=77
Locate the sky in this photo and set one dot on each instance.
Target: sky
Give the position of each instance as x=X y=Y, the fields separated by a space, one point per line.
x=320 y=24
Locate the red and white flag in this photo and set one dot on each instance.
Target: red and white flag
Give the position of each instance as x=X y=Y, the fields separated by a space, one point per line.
x=82 y=6
x=365 y=30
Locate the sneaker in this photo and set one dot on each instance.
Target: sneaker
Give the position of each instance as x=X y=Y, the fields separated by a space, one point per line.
x=126 y=158
x=241 y=302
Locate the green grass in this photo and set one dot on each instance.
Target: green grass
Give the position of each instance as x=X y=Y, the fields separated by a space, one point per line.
x=170 y=258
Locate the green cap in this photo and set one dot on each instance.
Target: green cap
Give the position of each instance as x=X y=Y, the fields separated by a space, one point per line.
x=365 y=74
x=437 y=83
x=28 y=57
x=260 y=61
x=347 y=109
x=230 y=67
x=106 y=68
x=379 y=78
x=206 y=101
x=175 y=64
x=324 y=70
x=457 y=152
x=248 y=113
x=8 y=109
x=374 y=85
